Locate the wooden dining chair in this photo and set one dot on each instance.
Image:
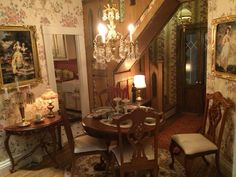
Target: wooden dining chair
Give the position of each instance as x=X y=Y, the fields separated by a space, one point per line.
x=137 y=148
x=81 y=145
x=107 y=95
x=208 y=141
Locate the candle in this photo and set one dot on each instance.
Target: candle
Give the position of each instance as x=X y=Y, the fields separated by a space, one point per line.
x=130 y=37
x=6 y=96
x=102 y=29
x=131 y=30
x=103 y=38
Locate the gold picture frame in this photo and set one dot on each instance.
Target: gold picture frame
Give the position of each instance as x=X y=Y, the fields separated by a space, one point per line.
x=224 y=47
x=18 y=56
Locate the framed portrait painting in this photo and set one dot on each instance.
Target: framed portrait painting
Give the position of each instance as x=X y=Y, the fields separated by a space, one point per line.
x=18 y=56
x=224 y=47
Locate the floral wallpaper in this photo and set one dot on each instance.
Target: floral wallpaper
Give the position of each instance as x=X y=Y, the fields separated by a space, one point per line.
x=59 y=13
x=166 y=48
x=216 y=9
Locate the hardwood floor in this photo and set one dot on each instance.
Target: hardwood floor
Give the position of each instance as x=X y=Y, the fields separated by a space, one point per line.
x=46 y=168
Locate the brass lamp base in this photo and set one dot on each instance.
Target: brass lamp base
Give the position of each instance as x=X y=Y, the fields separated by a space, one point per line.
x=50 y=115
x=139 y=98
x=50 y=108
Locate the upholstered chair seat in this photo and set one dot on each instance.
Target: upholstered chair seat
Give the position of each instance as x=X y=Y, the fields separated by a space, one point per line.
x=199 y=143
x=86 y=143
x=208 y=141
x=81 y=145
x=128 y=152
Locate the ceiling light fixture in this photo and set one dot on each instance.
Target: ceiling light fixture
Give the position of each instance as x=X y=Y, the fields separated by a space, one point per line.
x=110 y=45
x=184 y=16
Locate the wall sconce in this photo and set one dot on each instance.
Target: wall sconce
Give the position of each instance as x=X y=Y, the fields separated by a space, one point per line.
x=49 y=95
x=139 y=82
x=184 y=16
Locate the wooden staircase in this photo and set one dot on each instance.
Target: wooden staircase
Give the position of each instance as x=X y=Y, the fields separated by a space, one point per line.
x=150 y=24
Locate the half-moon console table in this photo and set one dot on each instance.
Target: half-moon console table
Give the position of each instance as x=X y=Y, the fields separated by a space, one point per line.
x=49 y=126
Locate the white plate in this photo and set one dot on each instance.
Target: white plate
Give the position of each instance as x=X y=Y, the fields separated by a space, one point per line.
x=150 y=121
x=125 y=124
x=39 y=120
x=103 y=109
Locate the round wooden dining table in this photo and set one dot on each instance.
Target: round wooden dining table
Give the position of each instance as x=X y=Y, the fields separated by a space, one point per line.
x=94 y=127
x=97 y=128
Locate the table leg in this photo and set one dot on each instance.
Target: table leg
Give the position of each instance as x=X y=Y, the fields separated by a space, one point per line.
x=104 y=160
x=54 y=143
x=59 y=137
x=6 y=143
x=101 y=166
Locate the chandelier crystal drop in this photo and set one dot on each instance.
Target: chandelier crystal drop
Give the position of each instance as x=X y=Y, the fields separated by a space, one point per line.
x=110 y=45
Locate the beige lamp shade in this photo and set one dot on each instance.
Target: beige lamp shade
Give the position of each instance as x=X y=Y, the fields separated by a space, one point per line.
x=139 y=81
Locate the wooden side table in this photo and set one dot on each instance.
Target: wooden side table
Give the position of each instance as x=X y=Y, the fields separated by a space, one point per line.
x=49 y=126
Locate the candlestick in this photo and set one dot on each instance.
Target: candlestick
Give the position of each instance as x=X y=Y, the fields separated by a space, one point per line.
x=103 y=38
x=117 y=100
x=17 y=84
x=125 y=101
x=6 y=95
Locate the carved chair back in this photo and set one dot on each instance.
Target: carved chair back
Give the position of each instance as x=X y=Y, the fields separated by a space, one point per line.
x=216 y=111
x=138 y=137
x=110 y=93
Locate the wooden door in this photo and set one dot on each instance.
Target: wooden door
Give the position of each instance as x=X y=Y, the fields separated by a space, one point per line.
x=191 y=69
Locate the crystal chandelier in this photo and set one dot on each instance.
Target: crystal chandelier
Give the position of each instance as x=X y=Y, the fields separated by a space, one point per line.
x=111 y=45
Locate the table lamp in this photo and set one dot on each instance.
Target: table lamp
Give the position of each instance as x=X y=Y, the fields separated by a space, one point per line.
x=49 y=95
x=139 y=82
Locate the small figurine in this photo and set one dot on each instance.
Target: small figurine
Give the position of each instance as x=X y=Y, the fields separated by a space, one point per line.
x=133 y=93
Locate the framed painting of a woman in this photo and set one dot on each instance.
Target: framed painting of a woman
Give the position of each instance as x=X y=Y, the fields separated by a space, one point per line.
x=18 y=56
x=224 y=47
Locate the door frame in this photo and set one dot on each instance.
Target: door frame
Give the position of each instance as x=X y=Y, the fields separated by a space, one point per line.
x=180 y=65
x=48 y=31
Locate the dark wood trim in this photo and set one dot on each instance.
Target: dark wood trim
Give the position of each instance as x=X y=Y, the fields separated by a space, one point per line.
x=156 y=24
x=160 y=87
x=180 y=63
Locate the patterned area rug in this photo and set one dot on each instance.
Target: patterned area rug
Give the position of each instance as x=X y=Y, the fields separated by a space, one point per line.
x=86 y=164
